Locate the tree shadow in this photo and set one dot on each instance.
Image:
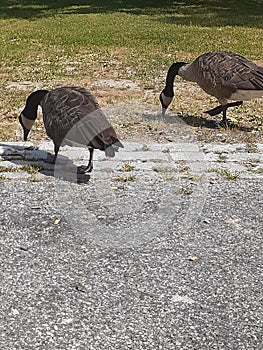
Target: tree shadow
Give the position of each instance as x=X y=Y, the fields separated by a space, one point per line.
x=196 y=12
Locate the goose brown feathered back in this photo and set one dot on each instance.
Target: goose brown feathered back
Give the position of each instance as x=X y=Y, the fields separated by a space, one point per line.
x=72 y=117
x=224 y=75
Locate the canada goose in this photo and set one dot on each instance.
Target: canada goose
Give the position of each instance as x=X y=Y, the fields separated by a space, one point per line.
x=71 y=117
x=225 y=75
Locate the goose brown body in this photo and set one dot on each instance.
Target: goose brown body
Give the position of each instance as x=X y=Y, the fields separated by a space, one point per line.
x=224 y=75
x=72 y=117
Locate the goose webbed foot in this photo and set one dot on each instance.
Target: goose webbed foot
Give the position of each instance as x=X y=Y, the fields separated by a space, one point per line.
x=51 y=158
x=83 y=169
x=225 y=123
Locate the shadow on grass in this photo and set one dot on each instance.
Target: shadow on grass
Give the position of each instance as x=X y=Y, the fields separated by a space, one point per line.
x=196 y=12
x=198 y=121
x=195 y=121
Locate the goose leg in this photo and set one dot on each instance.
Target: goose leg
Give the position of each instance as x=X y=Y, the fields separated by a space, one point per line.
x=87 y=169
x=224 y=121
x=90 y=164
x=51 y=159
x=56 y=149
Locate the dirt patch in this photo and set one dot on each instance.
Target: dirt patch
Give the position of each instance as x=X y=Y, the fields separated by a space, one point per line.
x=135 y=112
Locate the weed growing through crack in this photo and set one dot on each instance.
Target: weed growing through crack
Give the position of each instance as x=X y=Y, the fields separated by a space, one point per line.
x=184 y=190
x=7 y=169
x=163 y=169
x=225 y=173
x=221 y=158
x=251 y=147
x=126 y=167
x=130 y=178
x=30 y=169
x=145 y=148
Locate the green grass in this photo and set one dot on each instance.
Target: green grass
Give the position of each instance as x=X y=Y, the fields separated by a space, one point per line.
x=225 y=173
x=130 y=178
x=126 y=167
x=30 y=169
x=163 y=169
x=184 y=190
x=45 y=41
x=48 y=44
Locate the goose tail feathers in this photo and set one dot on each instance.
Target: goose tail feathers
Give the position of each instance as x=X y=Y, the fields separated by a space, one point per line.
x=111 y=149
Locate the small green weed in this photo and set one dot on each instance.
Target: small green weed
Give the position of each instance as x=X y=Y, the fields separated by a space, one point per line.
x=30 y=169
x=221 y=158
x=163 y=169
x=126 y=167
x=8 y=169
x=124 y=179
x=184 y=190
x=183 y=169
x=225 y=173
x=145 y=148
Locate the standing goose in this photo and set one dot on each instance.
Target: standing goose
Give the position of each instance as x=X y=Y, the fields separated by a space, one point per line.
x=225 y=75
x=71 y=117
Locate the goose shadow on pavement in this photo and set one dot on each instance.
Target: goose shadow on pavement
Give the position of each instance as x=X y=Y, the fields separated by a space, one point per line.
x=63 y=169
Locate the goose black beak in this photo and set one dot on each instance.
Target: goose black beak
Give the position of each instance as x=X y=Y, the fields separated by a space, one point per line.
x=26 y=132
x=163 y=111
x=164 y=107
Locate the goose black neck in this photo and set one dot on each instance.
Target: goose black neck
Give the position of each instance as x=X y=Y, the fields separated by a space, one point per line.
x=171 y=74
x=32 y=103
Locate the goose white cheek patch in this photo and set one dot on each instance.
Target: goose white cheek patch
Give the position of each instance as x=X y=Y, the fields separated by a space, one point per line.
x=166 y=100
x=28 y=123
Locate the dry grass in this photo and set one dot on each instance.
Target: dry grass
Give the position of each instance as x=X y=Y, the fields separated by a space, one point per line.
x=190 y=107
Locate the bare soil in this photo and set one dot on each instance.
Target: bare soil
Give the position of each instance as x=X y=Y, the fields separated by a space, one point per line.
x=135 y=112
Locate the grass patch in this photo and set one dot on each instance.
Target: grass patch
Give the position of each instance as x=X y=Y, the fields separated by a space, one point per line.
x=183 y=169
x=251 y=146
x=184 y=190
x=9 y=169
x=2 y=177
x=221 y=158
x=145 y=148
x=45 y=45
x=163 y=169
x=126 y=167
x=30 y=169
x=225 y=173
x=130 y=178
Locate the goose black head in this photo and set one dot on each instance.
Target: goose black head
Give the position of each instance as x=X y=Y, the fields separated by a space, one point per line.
x=29 y=114
x=165 y=101
x=25 y=130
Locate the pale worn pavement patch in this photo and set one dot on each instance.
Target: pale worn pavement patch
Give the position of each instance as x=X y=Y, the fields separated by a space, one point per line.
x=160 y=248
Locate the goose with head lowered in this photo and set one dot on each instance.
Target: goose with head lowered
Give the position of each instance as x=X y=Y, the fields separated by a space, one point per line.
x=72 y=117
x=224 y=75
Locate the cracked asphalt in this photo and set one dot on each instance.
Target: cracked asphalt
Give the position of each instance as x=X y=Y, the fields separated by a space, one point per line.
x=158 y=248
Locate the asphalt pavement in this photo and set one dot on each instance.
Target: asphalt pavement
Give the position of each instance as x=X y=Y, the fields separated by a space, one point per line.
x=158 y=248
